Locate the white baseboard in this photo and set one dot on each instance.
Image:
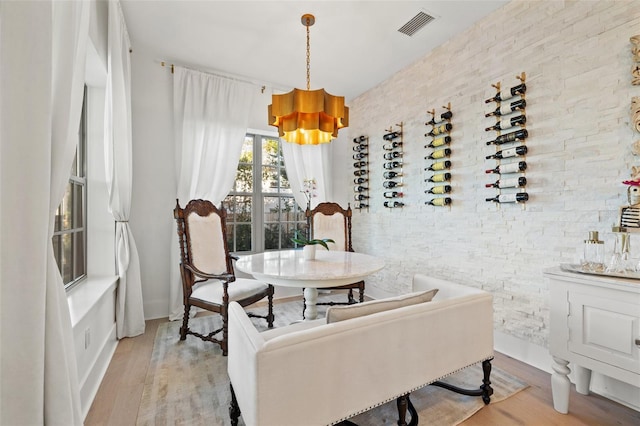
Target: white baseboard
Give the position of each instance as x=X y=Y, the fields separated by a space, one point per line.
x=522 y=350
x=91 y=382
x=539 y=357
x=155 y=309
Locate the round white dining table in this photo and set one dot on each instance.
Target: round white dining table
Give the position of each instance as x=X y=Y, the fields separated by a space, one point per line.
x=330 y=268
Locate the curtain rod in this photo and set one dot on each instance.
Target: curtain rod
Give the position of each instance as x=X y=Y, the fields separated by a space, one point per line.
x=262 y=85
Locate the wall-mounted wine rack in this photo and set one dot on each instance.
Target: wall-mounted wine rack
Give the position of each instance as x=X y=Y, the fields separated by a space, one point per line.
x=393 y=156
x=361 y=172
x=439 y=144
x=510 y=147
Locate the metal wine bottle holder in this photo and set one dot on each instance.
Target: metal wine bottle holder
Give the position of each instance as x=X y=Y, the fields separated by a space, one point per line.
x=361 y=172
x=393 y=154
x=510 y=144
x=439 y=146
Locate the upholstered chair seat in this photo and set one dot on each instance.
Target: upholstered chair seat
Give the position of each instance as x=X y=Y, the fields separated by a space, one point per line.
x=212 y=290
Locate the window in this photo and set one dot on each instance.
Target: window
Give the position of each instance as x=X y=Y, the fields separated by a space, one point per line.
x=70 y=236
x=261 y=211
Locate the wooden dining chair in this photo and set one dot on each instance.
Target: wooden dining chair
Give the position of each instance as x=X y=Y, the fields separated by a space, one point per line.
x=208 y=278
x=330 y=220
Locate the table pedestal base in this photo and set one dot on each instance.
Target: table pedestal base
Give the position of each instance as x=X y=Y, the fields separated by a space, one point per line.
x=310 y=300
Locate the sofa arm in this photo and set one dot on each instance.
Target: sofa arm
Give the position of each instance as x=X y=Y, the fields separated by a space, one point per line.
x=244 y=342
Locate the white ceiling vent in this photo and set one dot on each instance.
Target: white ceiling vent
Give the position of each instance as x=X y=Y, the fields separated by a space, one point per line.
x=416 y=23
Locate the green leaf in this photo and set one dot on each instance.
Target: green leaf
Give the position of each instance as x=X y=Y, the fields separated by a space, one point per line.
x=301 y=240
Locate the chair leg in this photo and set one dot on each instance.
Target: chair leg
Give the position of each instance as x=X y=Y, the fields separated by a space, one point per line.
x=225 y=331
x=185 y=322
x=270 y=316
x=350 y=297
x=304 y=303
x=234 y=408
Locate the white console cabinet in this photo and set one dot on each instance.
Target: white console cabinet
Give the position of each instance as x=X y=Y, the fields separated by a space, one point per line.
x=595 y=326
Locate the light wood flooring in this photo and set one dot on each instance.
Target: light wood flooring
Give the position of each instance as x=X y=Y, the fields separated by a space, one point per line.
x=118 y=398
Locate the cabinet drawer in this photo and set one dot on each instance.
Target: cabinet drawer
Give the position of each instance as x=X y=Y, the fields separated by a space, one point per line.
x=605 y=330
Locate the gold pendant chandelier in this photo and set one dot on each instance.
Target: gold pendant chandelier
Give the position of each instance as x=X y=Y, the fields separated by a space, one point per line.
x=308 y=117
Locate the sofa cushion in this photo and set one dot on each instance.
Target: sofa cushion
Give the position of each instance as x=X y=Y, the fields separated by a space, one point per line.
x=341 y=313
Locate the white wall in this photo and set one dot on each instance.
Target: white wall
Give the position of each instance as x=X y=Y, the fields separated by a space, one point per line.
x=154 y=181
x=577 y=59
x=154 y=174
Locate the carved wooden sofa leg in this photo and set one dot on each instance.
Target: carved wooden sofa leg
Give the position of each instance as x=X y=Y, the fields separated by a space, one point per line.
x=485 y=390
x=234 y=409
x=403 y=404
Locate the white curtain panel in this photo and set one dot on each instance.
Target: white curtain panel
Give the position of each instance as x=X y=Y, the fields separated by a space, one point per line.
x=118 y=166
x=42 y=57
x=305 y=162
x=211 y=114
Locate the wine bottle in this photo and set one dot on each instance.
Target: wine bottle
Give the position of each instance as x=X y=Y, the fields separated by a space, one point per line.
x=445 y=201
x=360 y=172
x=446 y=115
x=440 y=129
x=392 y=165
x=440 y=165
x=440 y=177
x=508 y=108
x=391 y=146
x=505 y=123
x=439 y=142
x=359 y=164
x=361 y=206
x=360 y=155
x=517 y=197
x=440 y=189
x=390 y=184
x=360 y=188
x=518 y=135
x=441 y=153
x=393 y=204
x=359 y=139
x=392 y=194
x=436 y=124
x=508 y=94
x=391 y=175
x=360 y=197
x=518 y=166
x=391 y=136
x=360 y=147
x=510 y=152
x=360 y=180
x=392 y=155
x=516 y=182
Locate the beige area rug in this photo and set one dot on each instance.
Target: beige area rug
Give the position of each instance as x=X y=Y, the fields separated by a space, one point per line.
x=187 y=382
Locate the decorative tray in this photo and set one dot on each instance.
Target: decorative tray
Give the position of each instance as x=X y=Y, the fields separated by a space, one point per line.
x=569 y=267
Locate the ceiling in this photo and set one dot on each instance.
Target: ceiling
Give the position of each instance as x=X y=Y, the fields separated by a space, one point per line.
x=355 y=45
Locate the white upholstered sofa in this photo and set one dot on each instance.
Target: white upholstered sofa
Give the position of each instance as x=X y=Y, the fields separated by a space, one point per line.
x=297 y=375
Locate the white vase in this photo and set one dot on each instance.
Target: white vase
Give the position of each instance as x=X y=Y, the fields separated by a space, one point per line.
x=309 y=252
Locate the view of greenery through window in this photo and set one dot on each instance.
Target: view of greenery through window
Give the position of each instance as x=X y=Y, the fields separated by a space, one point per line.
x=261 y=211
x=69 y=234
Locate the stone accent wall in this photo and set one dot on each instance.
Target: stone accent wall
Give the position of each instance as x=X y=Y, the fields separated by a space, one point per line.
x=576 y=55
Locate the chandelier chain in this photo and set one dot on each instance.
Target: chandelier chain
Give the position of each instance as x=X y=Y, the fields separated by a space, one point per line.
x=308 y=58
